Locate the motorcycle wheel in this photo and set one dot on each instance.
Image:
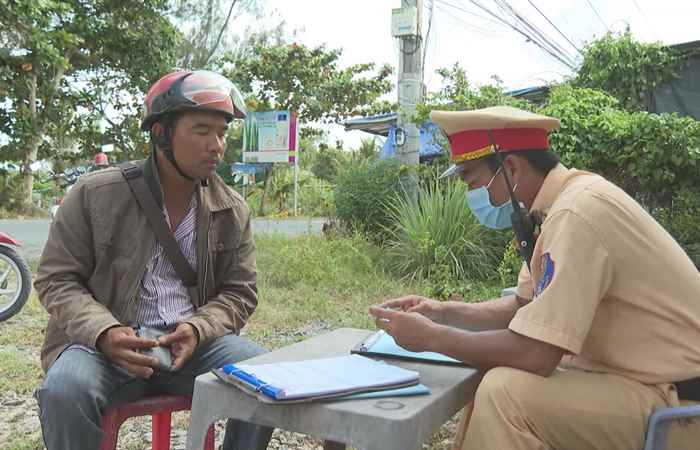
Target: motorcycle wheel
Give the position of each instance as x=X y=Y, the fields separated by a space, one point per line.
x=15 y=282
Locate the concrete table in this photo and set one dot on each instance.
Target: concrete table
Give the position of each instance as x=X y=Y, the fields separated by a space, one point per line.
x=387 y=423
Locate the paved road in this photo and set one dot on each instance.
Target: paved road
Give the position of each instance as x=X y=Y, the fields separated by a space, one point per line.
x=33 y=233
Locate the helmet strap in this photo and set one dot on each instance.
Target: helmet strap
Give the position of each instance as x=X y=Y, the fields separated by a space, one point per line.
x=164 y=142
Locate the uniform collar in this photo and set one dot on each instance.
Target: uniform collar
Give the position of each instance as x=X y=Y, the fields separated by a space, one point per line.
x=551 y=187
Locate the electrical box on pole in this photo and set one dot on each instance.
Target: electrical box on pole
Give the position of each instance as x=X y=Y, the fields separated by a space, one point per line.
x=406 y=26
x=404 y=21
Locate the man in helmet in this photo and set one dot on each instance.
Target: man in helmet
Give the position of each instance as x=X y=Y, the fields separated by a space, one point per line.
x=101 y=161
x=103 y=274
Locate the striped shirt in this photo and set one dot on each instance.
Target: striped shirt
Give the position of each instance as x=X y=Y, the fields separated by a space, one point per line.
x=163 y=298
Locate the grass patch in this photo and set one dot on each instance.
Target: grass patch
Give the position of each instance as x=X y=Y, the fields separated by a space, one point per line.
x=19 y=441
x=19 y=372
x=21 y=338
x=309 y=284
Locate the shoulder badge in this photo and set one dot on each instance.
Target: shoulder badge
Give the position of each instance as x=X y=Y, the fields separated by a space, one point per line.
x=547 y=270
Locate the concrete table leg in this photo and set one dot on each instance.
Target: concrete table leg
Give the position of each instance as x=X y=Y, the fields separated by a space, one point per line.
x=200 y=421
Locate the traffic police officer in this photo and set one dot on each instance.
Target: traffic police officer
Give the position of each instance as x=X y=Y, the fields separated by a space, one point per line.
x=605 y=325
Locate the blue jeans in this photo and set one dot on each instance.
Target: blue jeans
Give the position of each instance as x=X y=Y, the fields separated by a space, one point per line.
x=80 y=386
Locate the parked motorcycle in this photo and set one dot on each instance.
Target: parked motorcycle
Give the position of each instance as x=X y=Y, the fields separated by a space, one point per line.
x=15 y=278
x=69 y=177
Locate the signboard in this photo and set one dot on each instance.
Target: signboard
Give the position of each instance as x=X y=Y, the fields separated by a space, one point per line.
x=270 y=137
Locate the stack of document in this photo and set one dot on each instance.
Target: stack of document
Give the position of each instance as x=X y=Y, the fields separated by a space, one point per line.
x=299 y=381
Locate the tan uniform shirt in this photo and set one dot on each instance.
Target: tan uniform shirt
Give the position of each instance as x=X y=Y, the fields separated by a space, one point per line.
x=609 y=284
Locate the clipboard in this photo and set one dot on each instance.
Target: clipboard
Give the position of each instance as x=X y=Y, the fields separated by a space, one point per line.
x=383 y=345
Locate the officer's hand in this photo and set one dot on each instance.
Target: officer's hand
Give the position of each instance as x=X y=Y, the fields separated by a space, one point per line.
x=182 y=342
x=118 y=344
x=432 y=309
x=410 y=330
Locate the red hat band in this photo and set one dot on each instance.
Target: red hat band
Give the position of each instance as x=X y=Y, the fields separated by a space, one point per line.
x=473 y=144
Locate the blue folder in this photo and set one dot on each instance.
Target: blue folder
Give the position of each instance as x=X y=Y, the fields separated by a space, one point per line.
x=383 y=345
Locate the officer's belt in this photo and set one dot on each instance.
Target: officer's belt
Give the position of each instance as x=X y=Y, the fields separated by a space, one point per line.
x=688 y=389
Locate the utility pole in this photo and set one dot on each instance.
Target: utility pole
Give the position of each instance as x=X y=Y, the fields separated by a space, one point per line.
x=410 y=87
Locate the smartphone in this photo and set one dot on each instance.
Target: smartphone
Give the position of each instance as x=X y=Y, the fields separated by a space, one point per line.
x=162 y=353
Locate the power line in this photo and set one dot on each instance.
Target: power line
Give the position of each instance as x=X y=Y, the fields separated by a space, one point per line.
x=527 y=36
x=464 y=22
x=596 y=13
x=521 y=26
x=427 y=33
x=555 y=27
x=646 y=19
x=451 y=5
x=534 y=32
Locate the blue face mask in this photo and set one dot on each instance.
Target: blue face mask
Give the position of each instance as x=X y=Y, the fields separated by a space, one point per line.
x=495 y=217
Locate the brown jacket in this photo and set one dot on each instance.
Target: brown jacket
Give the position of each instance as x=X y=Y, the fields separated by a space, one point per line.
x=100 y=242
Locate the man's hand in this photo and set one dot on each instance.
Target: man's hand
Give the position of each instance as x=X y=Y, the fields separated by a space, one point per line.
x=411 y=330
x=432 y=309
x=182 y=342
x=118 y=344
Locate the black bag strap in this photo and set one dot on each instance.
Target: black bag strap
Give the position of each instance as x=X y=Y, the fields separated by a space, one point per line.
x=144 y=197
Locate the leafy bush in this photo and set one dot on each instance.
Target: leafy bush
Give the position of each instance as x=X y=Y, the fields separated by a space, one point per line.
x=509 y=267
x=651 y=156
x=326 y=162
x=627 y=69
x=681 y=220
x=438 y=239
x=459 y=94
x=316 y=198
x=362 y=192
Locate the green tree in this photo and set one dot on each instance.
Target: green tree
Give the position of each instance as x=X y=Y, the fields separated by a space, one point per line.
x=309 y=82
x=457 y=94
x=651 y=156
x=367 y=151
x=626 y=69
x=327 y=162
x=54 y=54
x=206 y=26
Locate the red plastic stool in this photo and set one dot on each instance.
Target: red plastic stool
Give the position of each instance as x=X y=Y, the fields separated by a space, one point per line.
x=159 y=408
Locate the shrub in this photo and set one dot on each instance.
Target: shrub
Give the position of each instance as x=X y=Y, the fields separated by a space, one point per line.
x=651 y=156
x=509 y=267
x=316 y=198
x=438 y=238
x=627 y=69
x=681 y=220
x=362 y=192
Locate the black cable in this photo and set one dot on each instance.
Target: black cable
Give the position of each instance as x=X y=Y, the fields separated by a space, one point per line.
x=524 y=34
x=596 y=13
x=467 y=11
x=464 y=22
x=416 y=46
x=646 y=19
x=555 y=27
x=538 y=34
x=427 y=33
